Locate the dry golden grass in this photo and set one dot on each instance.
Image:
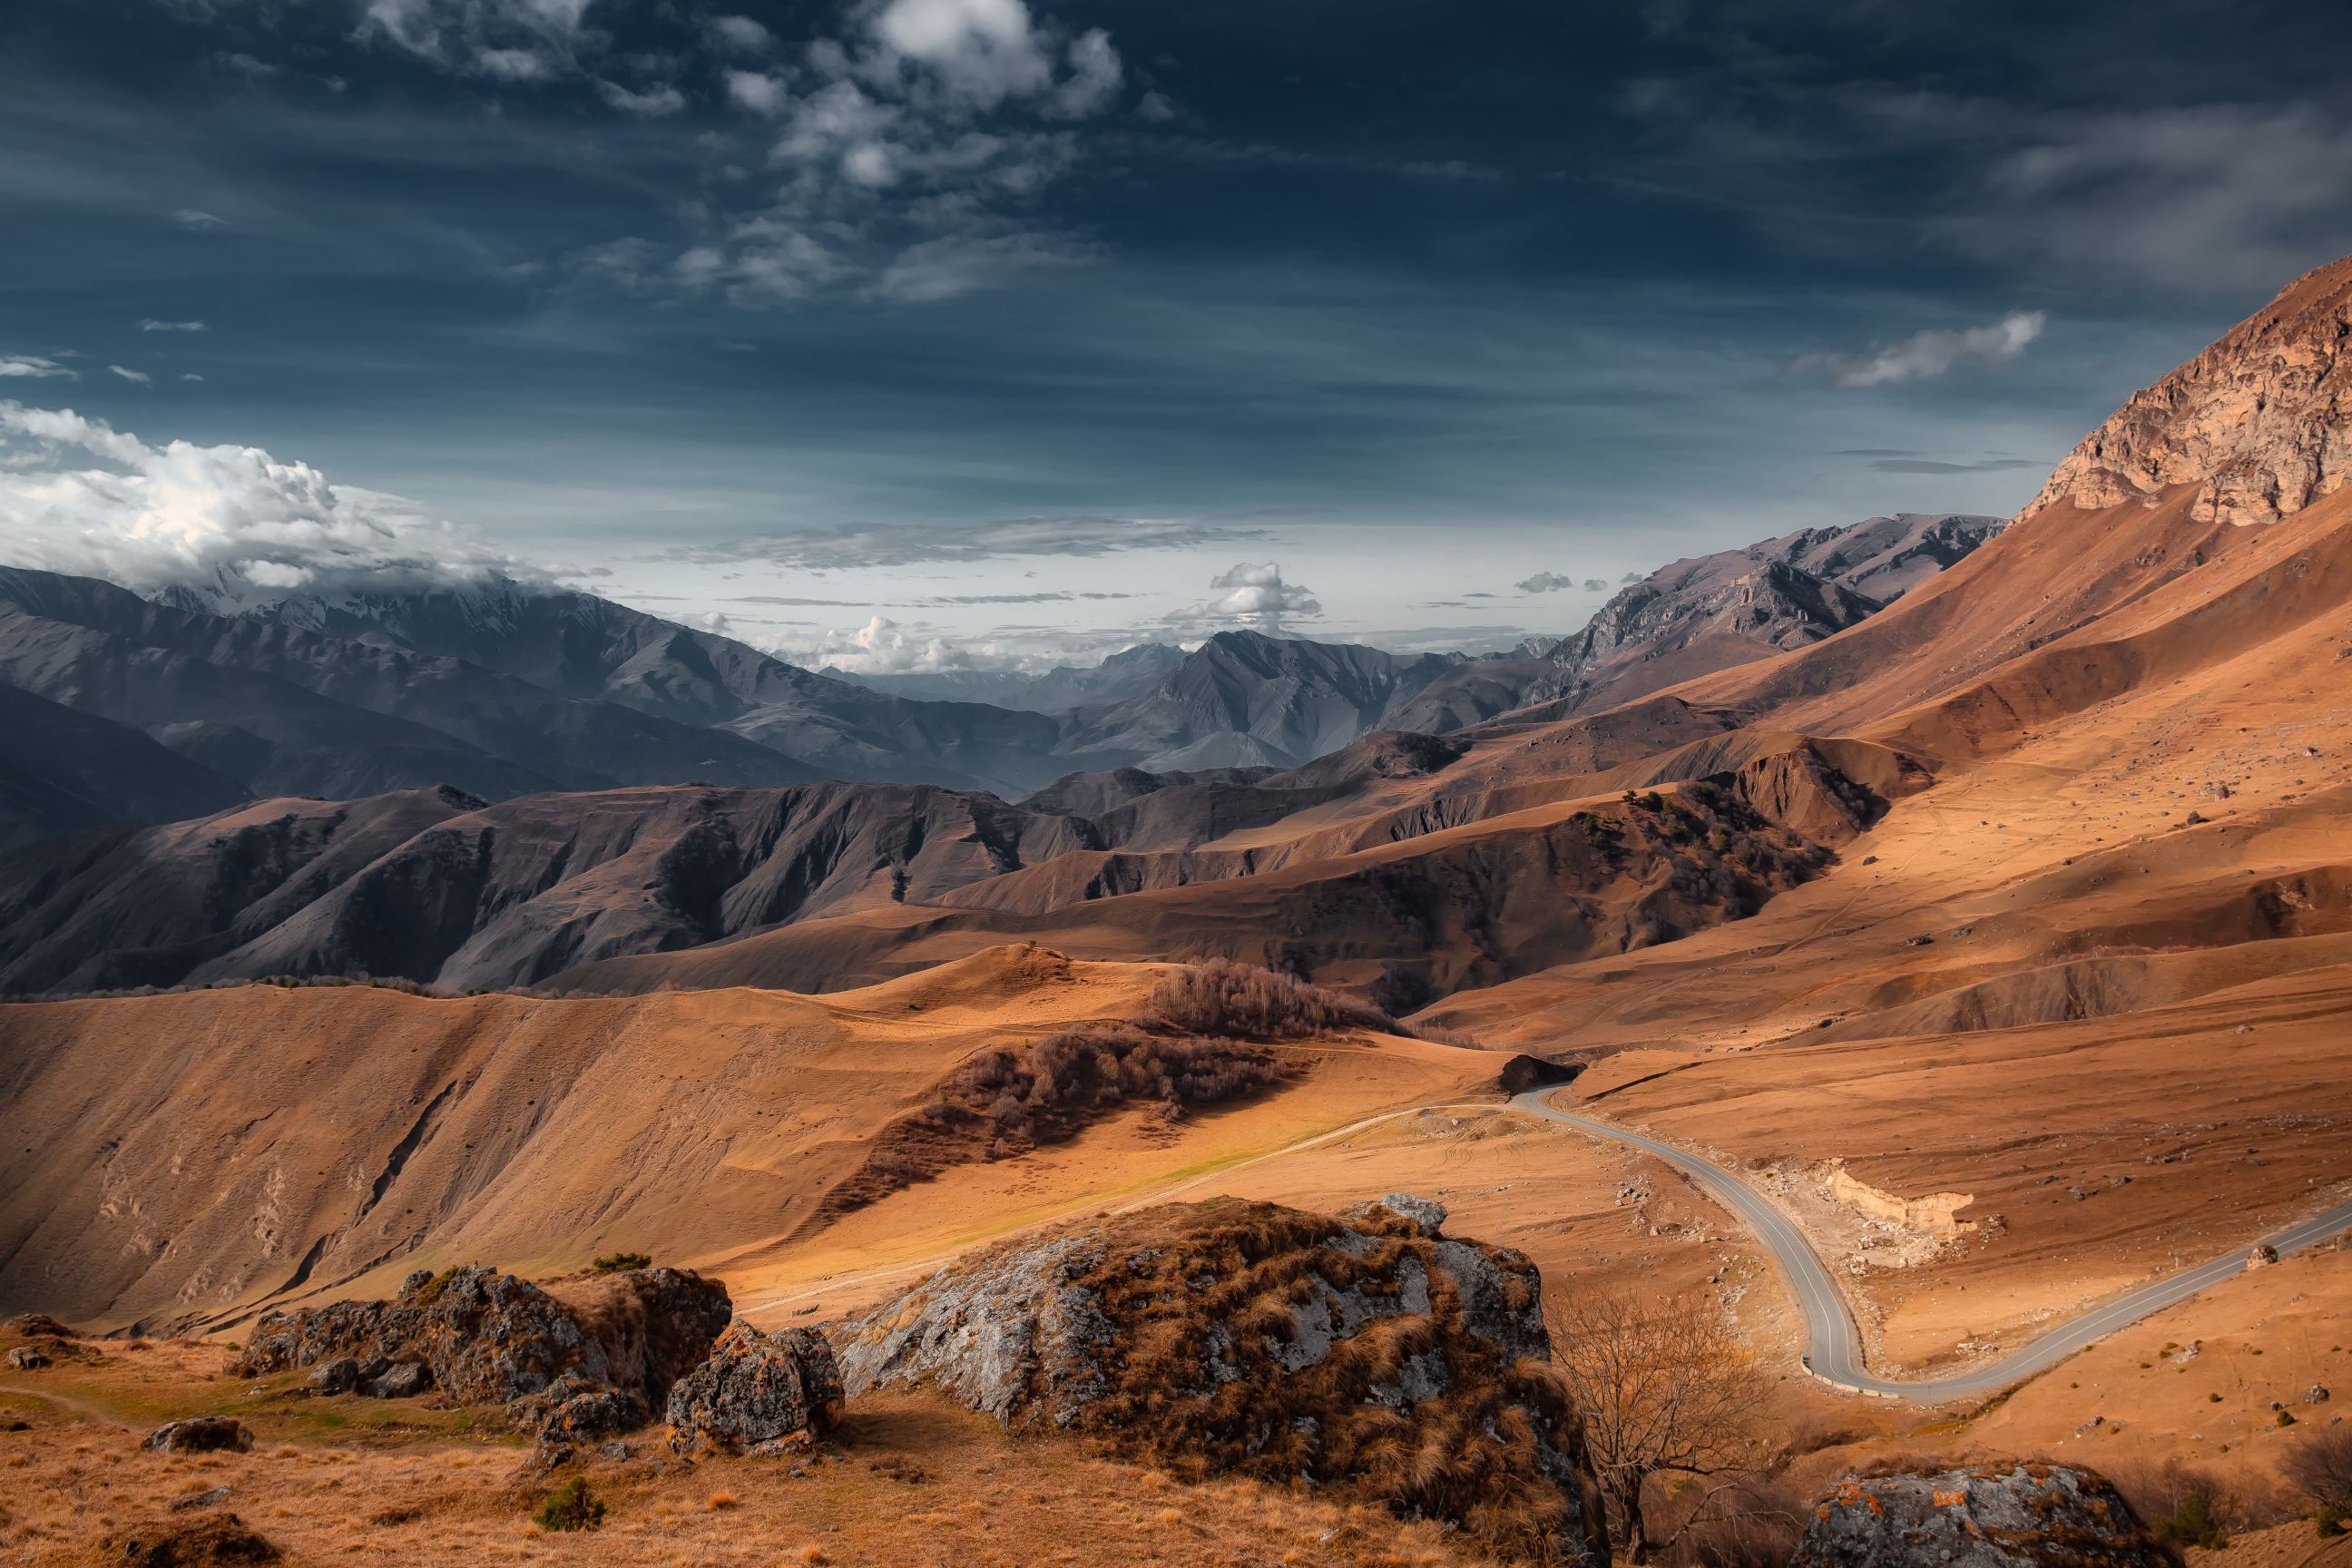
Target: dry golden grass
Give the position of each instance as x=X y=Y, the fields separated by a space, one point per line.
x=915 y=1483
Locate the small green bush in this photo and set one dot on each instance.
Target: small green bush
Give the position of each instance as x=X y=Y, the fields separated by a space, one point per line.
x=2192 y=1522
x=623 y=1262
x=432 y=1288
x=2328 y=1522
x=572 y=1507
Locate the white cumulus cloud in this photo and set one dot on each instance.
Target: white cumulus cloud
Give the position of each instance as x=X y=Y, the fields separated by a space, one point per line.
x=881 y=646
x=1253 y=594
x=652 y=102
x=911 y=148
x=77 y=495
x=741 y=32
x=758 y=91
x=1932 y=352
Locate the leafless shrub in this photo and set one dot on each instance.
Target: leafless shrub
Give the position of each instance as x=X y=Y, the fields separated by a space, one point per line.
x=1673 y=1407
x=1755 y=1523
x=2320 y=1468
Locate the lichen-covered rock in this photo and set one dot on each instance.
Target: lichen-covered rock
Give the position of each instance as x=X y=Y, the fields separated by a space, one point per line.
x=401 y=1380
x=340 y=1375
x=759 y=1393
x=202 y=1435
x=215 y=1540
x=2007 y=1515
x=486 y=1338
x=573 y=1410
x=1367 y=1353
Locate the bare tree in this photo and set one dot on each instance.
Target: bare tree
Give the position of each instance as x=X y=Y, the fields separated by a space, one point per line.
x=1669 y=1395
x=2320 y=1467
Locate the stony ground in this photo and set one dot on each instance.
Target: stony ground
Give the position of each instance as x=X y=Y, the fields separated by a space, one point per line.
x=338 y=1480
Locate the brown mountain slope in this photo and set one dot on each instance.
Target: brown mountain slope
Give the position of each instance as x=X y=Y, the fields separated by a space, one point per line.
x=1424 y=914
x=297 y=1142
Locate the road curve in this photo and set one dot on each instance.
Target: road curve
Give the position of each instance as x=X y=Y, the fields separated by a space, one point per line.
x=1835 y=1347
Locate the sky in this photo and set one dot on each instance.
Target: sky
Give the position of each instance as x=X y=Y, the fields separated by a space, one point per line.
x=917 y=334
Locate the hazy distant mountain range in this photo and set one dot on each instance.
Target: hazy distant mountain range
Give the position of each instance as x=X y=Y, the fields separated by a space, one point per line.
x=140 y=710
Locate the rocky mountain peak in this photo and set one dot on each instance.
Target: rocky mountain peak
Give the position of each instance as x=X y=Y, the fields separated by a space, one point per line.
x=2258 y=422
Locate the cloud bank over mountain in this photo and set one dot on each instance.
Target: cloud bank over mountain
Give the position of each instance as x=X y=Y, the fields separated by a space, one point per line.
x=80 y=496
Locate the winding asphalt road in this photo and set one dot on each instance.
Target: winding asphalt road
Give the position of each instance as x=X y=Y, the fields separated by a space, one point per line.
x=1835 y=1347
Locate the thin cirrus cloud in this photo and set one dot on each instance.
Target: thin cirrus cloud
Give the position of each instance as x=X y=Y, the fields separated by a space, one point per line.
x=28 y=367
x=510 y=40
x=1904 y=460
x=151 y=325
x=853 y=546
x=77 y=495
x=1929 y=354
x=934 y=602
x=137 y=377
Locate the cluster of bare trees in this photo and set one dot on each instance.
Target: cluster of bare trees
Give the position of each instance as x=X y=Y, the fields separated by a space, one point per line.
x=1241 y=1001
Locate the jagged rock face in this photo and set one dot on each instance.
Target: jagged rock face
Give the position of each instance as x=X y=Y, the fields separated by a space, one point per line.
x=1709 y=613
x=488 y=1338
x=759 y=1393
x=1886 y=557
x=1368 y=1352
x=2257 y=421
x=2010 y=1515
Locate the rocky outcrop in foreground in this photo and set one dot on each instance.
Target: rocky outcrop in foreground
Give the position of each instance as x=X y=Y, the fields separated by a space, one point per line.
x=600 y=1361
x=201 y=1435
x=2007 y=1515
x=763 y=1394
x=1368 y=1353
